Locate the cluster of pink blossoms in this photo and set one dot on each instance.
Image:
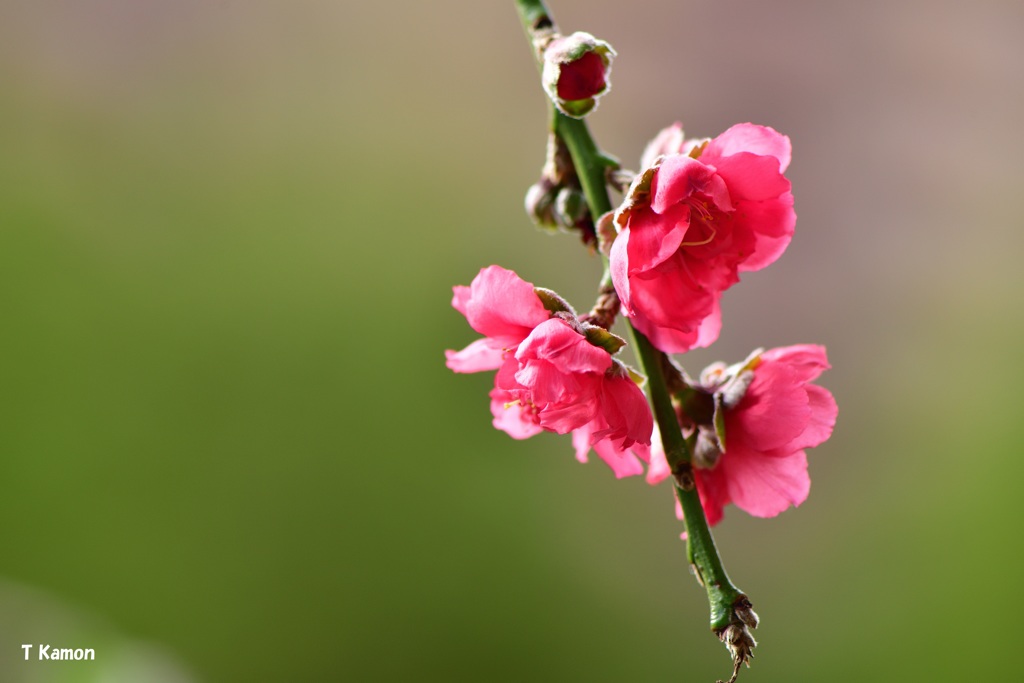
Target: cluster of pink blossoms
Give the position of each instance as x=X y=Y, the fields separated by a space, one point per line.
x=698 y=214
x=554 y=372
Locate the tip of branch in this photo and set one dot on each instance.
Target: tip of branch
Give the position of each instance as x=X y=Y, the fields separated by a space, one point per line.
x=737 y=636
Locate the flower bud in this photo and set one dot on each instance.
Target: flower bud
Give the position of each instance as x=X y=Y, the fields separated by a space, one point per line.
x=540 y=204
x=570 y=207
x=576 y=71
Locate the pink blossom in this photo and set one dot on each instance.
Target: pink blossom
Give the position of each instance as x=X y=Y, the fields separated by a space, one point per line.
x=700 y=213
x=562 y=383
x=501 y=306
x=772 y=413
x=550 y=375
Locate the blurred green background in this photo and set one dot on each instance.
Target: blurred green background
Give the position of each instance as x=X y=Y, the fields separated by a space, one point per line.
x=230 y=449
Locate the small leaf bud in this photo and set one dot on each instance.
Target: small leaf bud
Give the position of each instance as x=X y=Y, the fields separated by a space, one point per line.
x=598 y=336
x=540 y=204
x=570 y=207
x=553 y=302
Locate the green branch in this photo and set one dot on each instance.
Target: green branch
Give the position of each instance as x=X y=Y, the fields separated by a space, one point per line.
x=591 y=168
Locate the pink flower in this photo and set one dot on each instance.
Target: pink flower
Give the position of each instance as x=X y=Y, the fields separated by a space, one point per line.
x=552 y=373
x=768 y=413
x=699 y=214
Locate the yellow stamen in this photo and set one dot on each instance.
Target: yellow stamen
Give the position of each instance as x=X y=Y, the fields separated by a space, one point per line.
x=698 y=244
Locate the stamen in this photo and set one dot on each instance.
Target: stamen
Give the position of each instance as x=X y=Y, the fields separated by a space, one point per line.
x=701 y=243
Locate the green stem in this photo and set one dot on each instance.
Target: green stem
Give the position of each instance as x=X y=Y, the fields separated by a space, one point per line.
x=591 y=167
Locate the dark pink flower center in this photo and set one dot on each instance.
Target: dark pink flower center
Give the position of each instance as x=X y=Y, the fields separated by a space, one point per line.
x=704 y=222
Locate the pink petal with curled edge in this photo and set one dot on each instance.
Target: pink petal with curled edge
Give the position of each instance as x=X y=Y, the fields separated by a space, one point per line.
x=819 y=428
x=773 y=412
x=618 y=266
x=668 y=141
x=624 y=408
x=807 y=361
x=673 y=297
x=500 y=304
x=667 y=339
x=555 y=341
x=624 y=462
x=460 y=297
x=772 y=223
x=679 y=178
x=752 y=178
x=546 y=383
x=562 y=418
x=707 y=333
x=581 y=442
x=748 y=137
x=654 y=238
x=764 y=487
x=483 y=354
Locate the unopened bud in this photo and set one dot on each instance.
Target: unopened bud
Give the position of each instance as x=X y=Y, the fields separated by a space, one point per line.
x=576 y=72
x=570 y=207
x=540 y=203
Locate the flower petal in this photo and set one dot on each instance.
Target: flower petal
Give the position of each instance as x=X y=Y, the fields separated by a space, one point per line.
x=654 y=238
x=751 y=177
x=819 y=428
x=772 y=223
x=623 y=461
x=500 y=304
x=681 y=177
x=511 y=417
x=807 y=361
x=764 y=487
x=748 y=137
x=773 y=412
x=483 y=354
x=667 y=141
x=555 y=341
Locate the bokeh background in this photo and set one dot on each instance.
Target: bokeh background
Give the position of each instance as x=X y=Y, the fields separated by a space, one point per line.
x=230 y=450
